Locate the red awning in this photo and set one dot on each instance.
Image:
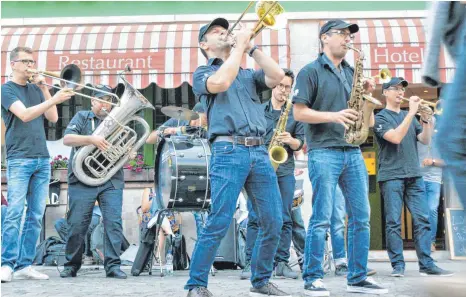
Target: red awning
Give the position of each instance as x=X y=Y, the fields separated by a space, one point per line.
x=397 y=44
x=166 y=54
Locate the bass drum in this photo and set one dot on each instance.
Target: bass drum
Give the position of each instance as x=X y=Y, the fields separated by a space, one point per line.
x=182 y=173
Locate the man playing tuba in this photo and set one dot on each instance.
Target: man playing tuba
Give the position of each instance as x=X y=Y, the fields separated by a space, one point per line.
x=82 y=197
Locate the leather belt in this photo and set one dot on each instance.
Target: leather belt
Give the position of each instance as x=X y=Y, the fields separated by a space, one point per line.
x=246 y=141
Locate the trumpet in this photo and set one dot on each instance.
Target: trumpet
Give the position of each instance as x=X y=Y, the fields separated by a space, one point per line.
x=425 y=108
x=70 y=77
x=270 y=15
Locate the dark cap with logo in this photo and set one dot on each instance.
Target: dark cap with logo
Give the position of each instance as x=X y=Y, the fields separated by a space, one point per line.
x=394 y=81
x=338 y=24
x=217 y=22
x=102 y=88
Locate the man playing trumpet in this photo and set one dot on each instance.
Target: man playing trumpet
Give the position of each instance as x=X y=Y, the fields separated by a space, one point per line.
x=24 y=106
x=400 y=179
x=237 y=126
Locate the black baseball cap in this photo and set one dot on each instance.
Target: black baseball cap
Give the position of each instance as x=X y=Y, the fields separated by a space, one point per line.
x=217 y=22
x=394 y=82
x=103 y=88
x=338 y=24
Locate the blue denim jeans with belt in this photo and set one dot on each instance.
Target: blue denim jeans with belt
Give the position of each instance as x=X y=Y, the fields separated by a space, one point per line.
x=328 y=167
x=287 y=186
x=232 y=166
x=28 y=181
x=411 y=192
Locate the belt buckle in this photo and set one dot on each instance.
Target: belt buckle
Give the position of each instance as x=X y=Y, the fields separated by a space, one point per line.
x=248 y=141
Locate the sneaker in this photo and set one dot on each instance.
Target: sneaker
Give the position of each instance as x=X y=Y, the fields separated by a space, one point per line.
x=341 y=270
x=317 y=288
x=371 y=271
x=246 y=273
x=435 y=271
x=30 y=273
x=398 y=272
x=199 y=292
x=7 y=274
x=269 y=289
x=283 y=270
x=88 y=260
x=367 y=286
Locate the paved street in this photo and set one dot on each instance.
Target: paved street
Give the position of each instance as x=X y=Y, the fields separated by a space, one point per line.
x=227 y=284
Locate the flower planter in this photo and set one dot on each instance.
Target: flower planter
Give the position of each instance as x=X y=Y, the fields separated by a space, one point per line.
x=60 y=174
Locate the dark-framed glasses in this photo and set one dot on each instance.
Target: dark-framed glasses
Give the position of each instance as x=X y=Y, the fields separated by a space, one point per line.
x=286 y=88
x=26 y=62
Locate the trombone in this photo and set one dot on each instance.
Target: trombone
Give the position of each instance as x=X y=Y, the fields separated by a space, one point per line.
x=70 y=77
x=270 y=15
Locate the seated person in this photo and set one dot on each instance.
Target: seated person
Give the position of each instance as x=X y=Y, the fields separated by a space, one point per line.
x=148 y=210
x=62 y=228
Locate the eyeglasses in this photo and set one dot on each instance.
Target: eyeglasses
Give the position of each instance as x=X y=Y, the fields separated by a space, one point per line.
x=343 y=33
x=282 y=86
x=26 y=62
x=396 y=89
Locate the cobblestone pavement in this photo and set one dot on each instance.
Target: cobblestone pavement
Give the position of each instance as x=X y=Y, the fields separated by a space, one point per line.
x=226 y=283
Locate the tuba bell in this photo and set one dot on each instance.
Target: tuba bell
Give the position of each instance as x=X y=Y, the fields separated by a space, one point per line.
x=95 y=167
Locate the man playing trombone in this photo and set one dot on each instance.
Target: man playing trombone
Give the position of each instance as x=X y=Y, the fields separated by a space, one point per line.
x=400 y=179
x=24 y=106
x=239 y=158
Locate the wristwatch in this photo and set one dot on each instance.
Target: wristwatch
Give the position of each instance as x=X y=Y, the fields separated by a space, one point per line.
x=252 y=50
x=433 y=162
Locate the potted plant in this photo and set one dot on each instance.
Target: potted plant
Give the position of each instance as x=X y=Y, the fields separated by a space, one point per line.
x=59 y=164
x=135 y=164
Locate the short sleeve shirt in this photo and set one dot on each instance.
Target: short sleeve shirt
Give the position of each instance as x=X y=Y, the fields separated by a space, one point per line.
x=396 y=161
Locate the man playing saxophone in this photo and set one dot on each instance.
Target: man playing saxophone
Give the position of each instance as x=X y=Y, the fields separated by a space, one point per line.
x=291 y=140
x=322 y=90
x=400 y=180
x=82 y=197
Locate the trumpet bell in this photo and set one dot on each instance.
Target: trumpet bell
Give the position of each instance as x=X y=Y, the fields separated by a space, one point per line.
x=274 y=17
x=385 y=74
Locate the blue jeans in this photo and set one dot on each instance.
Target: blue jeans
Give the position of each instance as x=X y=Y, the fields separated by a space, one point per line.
x=298 y=235
x=231 y=167
x=452 y=123
x=28 y=180
x=411 y=191
x=432 y=190
x=287 y=187
x=200 y=218
x=82 y=200
x=329 y=167
x=337 y=226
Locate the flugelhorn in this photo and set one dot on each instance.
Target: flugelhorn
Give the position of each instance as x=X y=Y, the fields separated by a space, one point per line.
x=270 y=15
x=70 y=77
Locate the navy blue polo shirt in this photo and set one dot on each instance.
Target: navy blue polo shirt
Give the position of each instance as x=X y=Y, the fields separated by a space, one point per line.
x=23 y=139
x=396 y=161
x=237 y=111
x=81 y=124
x=296 y=129
x=323 y=87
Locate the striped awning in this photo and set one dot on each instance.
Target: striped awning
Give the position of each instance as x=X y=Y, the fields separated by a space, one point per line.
x=166 y=54
x=397 y=44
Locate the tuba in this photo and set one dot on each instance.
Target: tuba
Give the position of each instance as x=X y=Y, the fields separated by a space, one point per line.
x=277 y=153
x=364 y=104
x=94 y=167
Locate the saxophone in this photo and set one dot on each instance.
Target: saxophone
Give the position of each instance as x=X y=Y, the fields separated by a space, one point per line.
x=277 y=153
x=364 y=104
